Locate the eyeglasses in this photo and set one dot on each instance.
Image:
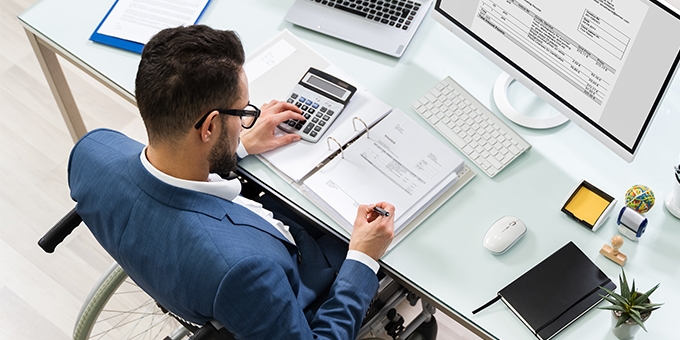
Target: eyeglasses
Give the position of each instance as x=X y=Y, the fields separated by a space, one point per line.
x=248 y=116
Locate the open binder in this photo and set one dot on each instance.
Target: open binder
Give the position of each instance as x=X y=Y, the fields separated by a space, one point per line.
x=554 y=293
x=371 y=153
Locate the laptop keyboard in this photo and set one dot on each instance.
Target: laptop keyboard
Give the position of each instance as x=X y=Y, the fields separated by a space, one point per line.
x=396 y=13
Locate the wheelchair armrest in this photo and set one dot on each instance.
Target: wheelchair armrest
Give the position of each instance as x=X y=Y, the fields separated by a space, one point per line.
x=59 y=231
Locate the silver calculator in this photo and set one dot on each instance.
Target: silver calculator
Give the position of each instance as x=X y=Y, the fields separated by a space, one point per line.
x=321 y=97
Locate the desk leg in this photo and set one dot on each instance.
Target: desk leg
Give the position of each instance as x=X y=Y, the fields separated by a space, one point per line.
x=59 y=86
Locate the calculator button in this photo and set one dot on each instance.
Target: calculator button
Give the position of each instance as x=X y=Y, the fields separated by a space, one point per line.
x=290 y=100
x=323 y=109
x=291 y=123
x=330 y=112
x=294 y=95
x=326 y=117
x=317 y=128
x=304 y=107
x=302 y=99
x=299 y=125
x=315 y=105
x=322 y=123
x=308 y=128
x=310 y=110
x=307 y=115
x=314 y=120
x=309 y=102
x=313 y=133
x=319 y=114
x=298 y=104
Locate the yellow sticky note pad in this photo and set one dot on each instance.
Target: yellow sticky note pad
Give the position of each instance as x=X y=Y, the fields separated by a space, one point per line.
x=588 y=205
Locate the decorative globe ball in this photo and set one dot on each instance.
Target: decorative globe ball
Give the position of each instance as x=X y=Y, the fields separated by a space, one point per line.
x=640 y=198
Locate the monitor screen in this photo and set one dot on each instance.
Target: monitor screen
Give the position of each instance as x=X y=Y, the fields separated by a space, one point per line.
x=605 y=64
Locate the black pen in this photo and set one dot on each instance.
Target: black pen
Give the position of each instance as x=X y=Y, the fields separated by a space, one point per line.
x=380 y=211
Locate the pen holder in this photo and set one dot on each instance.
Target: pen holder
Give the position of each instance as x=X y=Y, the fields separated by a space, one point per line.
x=631 y=223
x=673 y=199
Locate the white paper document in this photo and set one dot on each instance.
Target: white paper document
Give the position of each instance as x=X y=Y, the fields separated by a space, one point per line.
x=397 y=162
x=139 y=20
x=268 y=59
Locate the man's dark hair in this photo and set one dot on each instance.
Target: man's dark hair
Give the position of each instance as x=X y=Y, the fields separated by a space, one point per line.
x=184 y=73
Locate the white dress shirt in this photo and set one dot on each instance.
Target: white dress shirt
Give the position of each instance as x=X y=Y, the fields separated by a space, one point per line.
x=230 y=190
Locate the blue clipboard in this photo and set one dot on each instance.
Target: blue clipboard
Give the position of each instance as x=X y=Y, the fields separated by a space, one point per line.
x=122 y=43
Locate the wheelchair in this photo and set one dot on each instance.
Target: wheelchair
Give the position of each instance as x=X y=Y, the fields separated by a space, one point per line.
x=116 y=308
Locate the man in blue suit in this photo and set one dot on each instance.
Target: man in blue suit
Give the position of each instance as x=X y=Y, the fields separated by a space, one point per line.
x=186 y=236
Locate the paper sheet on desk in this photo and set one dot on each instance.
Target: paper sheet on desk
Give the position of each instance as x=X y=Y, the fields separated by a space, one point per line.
x=268 y=60
x=399 y=163
x=298 y=159
x=139 y=20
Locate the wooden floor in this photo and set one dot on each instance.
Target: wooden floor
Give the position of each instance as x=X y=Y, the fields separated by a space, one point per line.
x=41 y=294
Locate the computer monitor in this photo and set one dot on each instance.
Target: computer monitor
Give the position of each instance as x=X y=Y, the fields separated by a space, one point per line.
x=605 y=64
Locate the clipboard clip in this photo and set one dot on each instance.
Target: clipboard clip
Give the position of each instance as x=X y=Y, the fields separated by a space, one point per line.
x=328 y=142
x=362 y=122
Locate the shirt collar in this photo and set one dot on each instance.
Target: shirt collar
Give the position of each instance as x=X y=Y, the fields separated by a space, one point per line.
x=215 y=185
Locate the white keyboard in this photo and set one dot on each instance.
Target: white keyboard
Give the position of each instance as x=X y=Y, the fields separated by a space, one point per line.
x=476 y=131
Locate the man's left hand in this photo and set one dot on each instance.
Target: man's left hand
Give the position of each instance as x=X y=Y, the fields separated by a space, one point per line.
x=261 y=138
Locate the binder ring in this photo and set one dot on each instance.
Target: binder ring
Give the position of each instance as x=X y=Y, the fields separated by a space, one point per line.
x=362 y=122
x=328 y=142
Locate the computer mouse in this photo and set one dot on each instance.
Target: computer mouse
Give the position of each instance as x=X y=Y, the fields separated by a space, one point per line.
x=503 y=234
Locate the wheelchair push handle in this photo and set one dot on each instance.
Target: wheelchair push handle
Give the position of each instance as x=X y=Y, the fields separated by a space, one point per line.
x=59 y=231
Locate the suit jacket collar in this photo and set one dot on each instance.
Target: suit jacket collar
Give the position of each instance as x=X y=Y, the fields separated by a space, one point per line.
x=202 y=203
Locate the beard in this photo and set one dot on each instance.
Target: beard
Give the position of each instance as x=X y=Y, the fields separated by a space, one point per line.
x=222 y=160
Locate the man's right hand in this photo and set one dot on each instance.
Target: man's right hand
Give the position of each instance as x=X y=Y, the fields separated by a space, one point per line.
x=372 y=232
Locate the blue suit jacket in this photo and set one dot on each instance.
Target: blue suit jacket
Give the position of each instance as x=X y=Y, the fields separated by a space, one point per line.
x=207 y=258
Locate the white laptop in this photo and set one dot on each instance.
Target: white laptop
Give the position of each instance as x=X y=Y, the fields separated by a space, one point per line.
x=386 y=26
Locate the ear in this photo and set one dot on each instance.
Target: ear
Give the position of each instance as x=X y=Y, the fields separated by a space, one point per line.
x=208 y=128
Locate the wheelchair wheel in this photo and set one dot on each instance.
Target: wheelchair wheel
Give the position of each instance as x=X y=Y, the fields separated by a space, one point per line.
x=118 y=309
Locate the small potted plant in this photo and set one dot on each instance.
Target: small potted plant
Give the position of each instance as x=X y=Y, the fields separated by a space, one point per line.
x=630 y=309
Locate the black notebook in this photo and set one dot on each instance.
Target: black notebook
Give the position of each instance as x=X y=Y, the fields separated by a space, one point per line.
x=557 y=291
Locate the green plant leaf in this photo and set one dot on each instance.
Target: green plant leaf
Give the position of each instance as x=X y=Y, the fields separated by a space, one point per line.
x=638 y=320
x=652 y=309
x=622 y=319
x=625 y=291
x=610 y=300
x=614 y=307
x=642 y=298
x=621 y=300
x=646 y=306
x=634 y=312
x=633 y=292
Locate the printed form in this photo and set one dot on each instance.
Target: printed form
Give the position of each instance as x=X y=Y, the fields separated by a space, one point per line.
x=580 y=45
x=398 y=162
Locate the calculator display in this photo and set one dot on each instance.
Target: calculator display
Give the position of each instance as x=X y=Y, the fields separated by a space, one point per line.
x=326 y=86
